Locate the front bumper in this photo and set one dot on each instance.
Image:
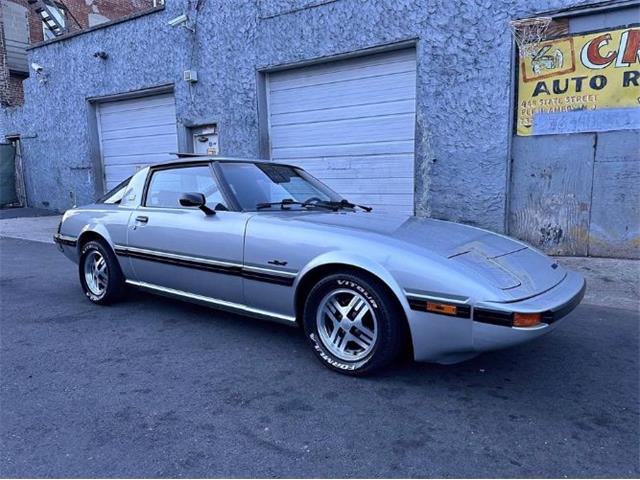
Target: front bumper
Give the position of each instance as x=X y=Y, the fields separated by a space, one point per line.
x=446 y=339
x=67 y=245
x=60 y=239
x=554 y=304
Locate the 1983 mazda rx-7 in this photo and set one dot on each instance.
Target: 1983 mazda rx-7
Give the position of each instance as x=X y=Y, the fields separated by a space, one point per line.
x=269 y=240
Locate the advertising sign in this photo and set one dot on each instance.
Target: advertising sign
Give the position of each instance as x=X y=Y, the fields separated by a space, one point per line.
x=581 y=83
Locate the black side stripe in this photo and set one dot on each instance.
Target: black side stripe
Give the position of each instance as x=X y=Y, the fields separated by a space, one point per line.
x=233 y=270
x=267 y=277
x=63 y=240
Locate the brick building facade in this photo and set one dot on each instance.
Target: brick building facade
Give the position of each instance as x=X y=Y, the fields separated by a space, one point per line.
x=21 y=26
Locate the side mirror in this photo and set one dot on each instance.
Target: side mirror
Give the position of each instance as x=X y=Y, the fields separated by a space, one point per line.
x=194 y=199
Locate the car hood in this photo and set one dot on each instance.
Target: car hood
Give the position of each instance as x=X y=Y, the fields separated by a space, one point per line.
x=511 y=266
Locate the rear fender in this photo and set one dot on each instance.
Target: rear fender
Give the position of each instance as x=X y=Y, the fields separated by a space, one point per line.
x=94 y=229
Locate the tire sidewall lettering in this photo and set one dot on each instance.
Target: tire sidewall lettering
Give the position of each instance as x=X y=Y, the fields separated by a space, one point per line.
x=360 y=289
x=332 y=361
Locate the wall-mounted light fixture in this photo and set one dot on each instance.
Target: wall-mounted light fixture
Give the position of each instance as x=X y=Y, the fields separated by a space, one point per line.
x=40 y=73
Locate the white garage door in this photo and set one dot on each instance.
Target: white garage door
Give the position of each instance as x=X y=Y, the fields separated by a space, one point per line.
x=351 y=123
x=135 y=133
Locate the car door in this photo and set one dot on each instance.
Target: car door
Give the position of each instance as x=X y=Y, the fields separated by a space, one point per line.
x=183 y=248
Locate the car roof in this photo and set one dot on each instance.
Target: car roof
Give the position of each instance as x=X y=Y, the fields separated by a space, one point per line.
x=186 y=158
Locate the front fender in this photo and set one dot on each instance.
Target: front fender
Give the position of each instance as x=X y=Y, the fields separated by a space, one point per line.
x=352 y=259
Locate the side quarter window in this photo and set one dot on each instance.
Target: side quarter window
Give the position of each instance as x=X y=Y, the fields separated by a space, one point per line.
x=115 y=195
x=167 y=186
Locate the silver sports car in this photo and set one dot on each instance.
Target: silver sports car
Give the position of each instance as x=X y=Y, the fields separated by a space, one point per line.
x=271 y=241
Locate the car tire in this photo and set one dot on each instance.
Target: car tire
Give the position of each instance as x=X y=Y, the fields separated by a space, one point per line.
x=101 y=277
x=353 y=324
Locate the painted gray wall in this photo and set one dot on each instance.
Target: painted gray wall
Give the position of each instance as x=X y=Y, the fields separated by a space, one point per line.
x=463 y=97
x=614 y=228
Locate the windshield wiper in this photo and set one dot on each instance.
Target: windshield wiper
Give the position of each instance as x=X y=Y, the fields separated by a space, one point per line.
x=284 y=204
x=346 y=204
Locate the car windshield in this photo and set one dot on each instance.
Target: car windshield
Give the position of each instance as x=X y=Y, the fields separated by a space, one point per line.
x=256 y=184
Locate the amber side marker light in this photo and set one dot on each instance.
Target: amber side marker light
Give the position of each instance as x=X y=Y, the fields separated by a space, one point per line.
x=526 y=319
x=442 y=308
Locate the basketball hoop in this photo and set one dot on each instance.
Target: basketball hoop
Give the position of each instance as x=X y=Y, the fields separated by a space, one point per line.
x=528 y=34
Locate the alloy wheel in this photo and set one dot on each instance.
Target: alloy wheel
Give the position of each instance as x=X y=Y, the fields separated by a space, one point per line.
x=347 y=325
x=96 y=274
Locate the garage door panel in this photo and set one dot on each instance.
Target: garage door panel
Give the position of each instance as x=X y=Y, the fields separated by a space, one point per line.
x=404 y=78
x=382 y=199
x=135 y=159
x=328 y=151
x=135 y=133
x=121 y=172
x=370 y=186
x=394 y=107
x=372 y=65
x=370 y=175
x=395 y=127
x=353 y=75
x=139 y=132
x=141 y=145
x=141 y=103
x=396 y=204
x=140 y=120
x=351 y=124
x=139 y=161
x=345 y=94
x=374 y=166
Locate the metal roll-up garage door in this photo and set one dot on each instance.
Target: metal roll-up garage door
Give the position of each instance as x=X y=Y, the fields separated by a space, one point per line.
x=135 y=133
x=351 y=123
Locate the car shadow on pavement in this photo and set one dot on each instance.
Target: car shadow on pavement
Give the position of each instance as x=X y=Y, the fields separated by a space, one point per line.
x=541 y=368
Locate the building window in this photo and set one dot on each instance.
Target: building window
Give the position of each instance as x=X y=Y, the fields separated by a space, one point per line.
x=58 y=13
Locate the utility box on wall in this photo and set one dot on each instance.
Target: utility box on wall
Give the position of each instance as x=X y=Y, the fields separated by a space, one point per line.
x=205 y=139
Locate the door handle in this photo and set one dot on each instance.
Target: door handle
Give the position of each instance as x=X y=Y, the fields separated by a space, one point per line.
x=142 y=219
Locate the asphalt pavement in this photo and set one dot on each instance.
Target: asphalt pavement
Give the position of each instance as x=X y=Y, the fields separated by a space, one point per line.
x=153 y=387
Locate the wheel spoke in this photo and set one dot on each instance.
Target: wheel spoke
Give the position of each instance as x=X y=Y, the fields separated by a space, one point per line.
x=362 y=342
x=342 y=341
x=360 y=315
x=334 y=335
x=366 y=331
x=335 y=306
x=332 y=317
x=353 y=303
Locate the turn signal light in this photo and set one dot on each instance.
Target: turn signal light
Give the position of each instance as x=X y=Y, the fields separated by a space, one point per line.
x=526 y=319
x=442 y=308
